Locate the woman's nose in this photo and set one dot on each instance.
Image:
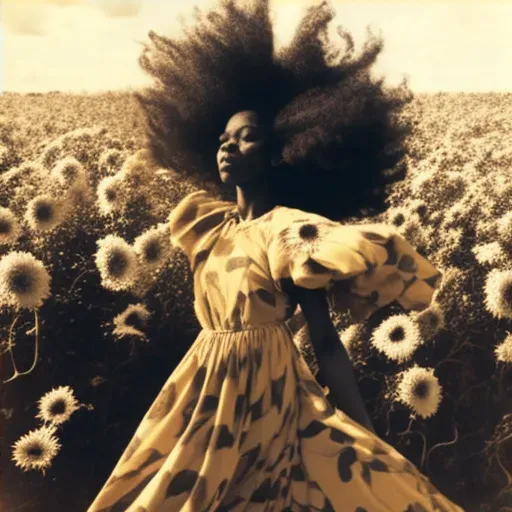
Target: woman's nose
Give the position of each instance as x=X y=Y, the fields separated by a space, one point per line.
x=228 y=146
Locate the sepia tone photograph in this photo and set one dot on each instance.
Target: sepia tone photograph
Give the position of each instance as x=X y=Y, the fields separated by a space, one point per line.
x=255 y=256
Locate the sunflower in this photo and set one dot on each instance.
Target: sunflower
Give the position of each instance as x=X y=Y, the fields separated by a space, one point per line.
x=117 y=262
x=111 y=161
x=153 y=247
x=419 y=389
x=430 y=321
x=504 y=350
x=69 y=172
x=136 y=171
x=10 y=229
x=397 y=337
x=498 y=293
x=491 y=254
x=305 y=235
x=132 y=321
x=45 y=212
x=36 y=449
x=24 y=281
x=57 y=405
x=351 y=337
x=111 y=194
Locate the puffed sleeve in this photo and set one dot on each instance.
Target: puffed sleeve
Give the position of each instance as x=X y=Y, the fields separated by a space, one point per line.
x=195 y=219
x=364 y=267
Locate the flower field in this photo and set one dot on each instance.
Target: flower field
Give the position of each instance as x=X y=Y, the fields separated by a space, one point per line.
x=96 y=305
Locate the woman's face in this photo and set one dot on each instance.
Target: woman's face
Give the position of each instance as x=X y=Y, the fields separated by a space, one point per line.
x=243 y=155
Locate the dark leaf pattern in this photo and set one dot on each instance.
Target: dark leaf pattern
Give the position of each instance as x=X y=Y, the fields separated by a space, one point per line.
x=256 y=409
x=199 y=493
x=184 y=481
x=416 y=507
x=266 y=491
x=392 y=252
x=266 y=297
x=207 y=223
x=209 y=404
x=297 y=473
x=238 y=262
x=200 y=257
x=346 y=458
x=132 y=447
x=277 y=389
x=316 y=268
x=246 y=463
x=163 y=403
x=374 y=237
x=378 y=465
x=194 y=429
x=341 y=437
x=199 y=379
x=407 y=264
x=225 y=438
x=123 y=503
x=313 y=429
x=366 y=474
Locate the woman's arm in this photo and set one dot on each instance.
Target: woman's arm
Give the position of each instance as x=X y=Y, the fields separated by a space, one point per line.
x=335 y=367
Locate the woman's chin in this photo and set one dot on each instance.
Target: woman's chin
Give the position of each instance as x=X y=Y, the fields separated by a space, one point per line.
x=228 y=177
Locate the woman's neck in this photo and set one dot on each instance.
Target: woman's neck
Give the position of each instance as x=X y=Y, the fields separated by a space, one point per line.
x=254 y=200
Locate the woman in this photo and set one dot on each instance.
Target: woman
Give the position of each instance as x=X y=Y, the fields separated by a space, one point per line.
x=241 y=423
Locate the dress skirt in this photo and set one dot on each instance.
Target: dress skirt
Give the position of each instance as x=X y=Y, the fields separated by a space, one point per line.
x=242 y=425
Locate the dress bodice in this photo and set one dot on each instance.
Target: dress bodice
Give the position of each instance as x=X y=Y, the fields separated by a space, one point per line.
x=243 y=270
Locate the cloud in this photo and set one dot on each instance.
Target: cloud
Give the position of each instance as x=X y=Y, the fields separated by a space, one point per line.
x=27 y=18
x=117 y=8
x=64 y=3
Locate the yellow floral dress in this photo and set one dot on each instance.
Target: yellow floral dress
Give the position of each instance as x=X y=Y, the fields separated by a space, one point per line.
x=242 y=424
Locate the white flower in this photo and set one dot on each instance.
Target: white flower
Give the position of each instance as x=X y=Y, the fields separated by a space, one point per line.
x=10 y=229
x=504 y=350
x=57 y=405
x=491 y=253
x=351 y=337
x=397 y=337
x=498 y=293
x=136 y=172
x=111 y=194
x=153 y=247
x=45 y=212
x=117 y=262
x=419 y=389
x=69 y=172
x=430 y=321
x=111 y=160
x=24 y=281
x=36 y=449
x=132 y=321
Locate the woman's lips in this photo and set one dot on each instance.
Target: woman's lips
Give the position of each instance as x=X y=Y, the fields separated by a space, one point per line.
x=226 y=161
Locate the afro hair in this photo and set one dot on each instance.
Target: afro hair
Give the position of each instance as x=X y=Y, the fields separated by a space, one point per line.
x=339 y=135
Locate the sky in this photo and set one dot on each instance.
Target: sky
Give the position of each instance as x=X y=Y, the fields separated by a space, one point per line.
x=93 y=45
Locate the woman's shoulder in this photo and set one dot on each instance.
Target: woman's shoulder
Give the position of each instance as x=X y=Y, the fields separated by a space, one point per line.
x=196 y=215
x=197 y=204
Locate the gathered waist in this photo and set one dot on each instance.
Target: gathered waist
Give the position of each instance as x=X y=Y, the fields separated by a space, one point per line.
x=267 y=325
